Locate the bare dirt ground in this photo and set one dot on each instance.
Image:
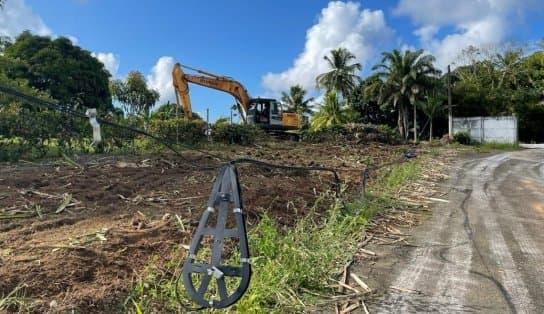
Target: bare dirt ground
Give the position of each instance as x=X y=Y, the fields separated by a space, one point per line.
x=85 y=235
x=481 y=249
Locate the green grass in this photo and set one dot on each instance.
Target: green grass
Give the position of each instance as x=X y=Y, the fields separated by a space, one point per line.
x=390 y=179
x=492 y=146
x=291 y=266
x=487 y=147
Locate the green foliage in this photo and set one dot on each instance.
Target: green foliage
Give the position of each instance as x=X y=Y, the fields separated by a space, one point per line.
x=178 y=129
x=291 y=265
x=405 y=76
x=134 y=94
x=330 y=114
x=294 y=260
x=493 y=146
x=531 y=128
x=31 y=133
x=285 y=261
x=296 y=101
x=462 y=138
x=242 y=134
x=65 y=71
x=352 y=132
x=393 y=178
x=364 y=100
x=342 y=78
x=432 y=107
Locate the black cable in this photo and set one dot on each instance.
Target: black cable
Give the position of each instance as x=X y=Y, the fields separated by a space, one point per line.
x=287 y=167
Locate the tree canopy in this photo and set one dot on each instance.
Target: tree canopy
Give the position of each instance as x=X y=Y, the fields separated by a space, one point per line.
x=134 y=94
x=296 y=100
x=342 y=77
x=405 y=75
x=65 y=71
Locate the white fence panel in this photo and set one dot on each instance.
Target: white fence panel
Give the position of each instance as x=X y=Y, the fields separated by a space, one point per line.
x=488 y=129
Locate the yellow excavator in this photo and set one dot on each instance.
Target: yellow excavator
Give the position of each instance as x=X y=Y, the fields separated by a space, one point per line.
x=266 y=113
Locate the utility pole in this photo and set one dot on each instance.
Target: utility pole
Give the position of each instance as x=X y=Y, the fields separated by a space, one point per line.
x=450 y=114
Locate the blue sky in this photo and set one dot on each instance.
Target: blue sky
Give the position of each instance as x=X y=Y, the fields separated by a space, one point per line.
x=268 y=45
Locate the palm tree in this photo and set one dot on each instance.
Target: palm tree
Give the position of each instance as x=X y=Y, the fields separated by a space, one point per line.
x=432 y=107
x=404 y=75
x=330 y=114
x=510 y=66
x=295 y=100
x=341 y=77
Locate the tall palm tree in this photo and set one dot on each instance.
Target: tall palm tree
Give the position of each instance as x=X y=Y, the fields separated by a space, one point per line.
x=404 y=75
x=342 y=77
x=295 y=100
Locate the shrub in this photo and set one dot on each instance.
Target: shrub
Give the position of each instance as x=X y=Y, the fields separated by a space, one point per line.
x=462 y=137
x=353 y=132
x=188 y=132
x=236 y=133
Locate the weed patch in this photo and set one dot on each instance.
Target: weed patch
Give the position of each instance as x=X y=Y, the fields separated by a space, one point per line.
x=295 y=267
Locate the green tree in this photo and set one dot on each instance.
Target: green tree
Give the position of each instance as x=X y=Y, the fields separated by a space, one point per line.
x=404 y=75
x=330 y=114
x=510 y=67
x=65 y=71
x=296 y=101
x=365 y=101
x=342 y=77
x=432 y=107
x=134 y=94
x=168 y=111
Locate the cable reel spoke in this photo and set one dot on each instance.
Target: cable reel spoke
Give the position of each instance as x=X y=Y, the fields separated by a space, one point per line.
x=216 y=283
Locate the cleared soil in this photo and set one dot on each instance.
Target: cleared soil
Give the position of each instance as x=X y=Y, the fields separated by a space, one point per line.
x=117 y=214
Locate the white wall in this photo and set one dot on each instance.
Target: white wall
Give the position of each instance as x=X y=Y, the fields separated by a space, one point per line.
x=488 y=129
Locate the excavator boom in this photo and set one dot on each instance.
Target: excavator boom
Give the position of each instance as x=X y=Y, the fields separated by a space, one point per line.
x=181 y=85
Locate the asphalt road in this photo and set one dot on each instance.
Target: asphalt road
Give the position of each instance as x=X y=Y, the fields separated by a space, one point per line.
x=483 y=252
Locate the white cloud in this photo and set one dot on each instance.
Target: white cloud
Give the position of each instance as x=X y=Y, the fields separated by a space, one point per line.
x=160 y=79
x=110 y=61
x=73 y=39
x=478 y=23
x=16 y=17
x=341 y=24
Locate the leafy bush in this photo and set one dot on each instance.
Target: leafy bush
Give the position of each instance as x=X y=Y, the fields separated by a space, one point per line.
x=329 y=134
x=236 y=133
x=353 y=132
x=30 y=132
x=462 y=137
x=188 y=132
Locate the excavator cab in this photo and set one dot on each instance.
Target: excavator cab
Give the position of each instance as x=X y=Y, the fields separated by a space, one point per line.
x=268 y=114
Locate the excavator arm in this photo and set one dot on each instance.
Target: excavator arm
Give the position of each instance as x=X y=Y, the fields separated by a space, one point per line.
x=222 y=83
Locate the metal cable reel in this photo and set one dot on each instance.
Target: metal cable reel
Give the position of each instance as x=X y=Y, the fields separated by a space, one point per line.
x=207 y=279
